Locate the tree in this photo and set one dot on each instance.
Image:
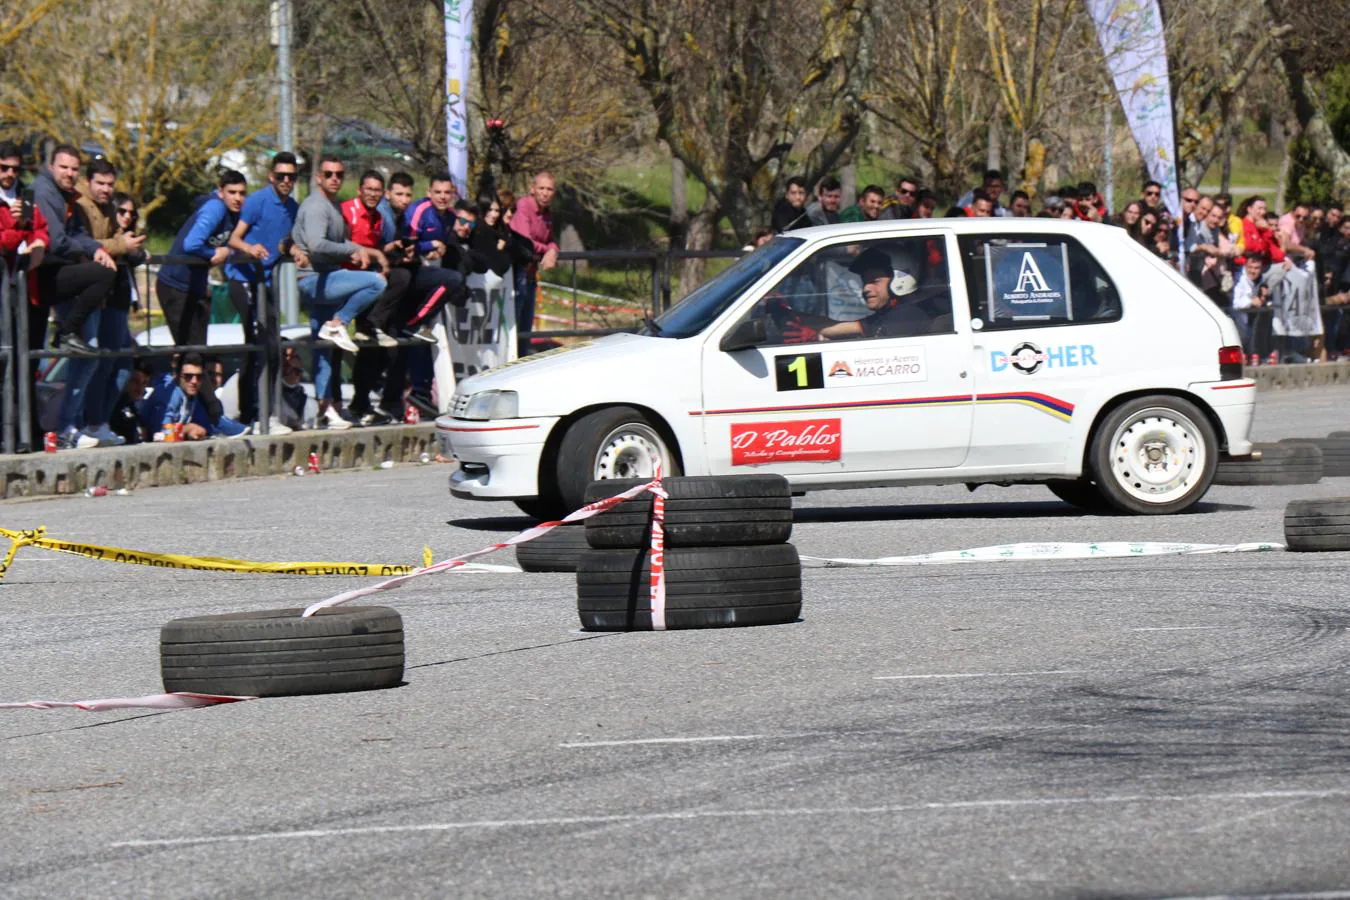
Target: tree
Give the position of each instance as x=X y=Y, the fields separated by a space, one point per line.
x=737 y=94
x=931 y=90
x=18 y=17
x=156 y=86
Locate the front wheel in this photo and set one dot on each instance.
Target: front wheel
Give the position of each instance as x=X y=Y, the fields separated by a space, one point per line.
x=616 y=442
x=1154 y=455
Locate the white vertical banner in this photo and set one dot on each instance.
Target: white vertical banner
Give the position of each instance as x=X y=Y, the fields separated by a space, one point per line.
x=1131 y=35
x=458 y=60
x=477 y=336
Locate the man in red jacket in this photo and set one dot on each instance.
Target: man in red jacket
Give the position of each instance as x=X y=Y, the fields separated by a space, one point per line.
x=23 y=235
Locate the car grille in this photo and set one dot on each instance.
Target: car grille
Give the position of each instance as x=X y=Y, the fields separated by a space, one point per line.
x=459 y=405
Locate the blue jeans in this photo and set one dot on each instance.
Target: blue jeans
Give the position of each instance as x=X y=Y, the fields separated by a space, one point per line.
x=79 y=371
x=1242 y=319
x=525 y=291
x=343 y=295
x=111 y=374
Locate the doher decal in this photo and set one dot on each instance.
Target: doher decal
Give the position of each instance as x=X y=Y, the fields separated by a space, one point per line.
x=805 y=440
x=1029 y=359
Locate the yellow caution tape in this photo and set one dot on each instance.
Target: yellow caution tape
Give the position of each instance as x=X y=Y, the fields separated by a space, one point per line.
x=36 y=538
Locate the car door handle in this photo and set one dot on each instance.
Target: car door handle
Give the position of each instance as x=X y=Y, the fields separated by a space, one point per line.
x=963 y=374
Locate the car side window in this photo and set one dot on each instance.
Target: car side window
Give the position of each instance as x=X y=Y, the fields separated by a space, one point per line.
x=897 y=287
x=1034 y=280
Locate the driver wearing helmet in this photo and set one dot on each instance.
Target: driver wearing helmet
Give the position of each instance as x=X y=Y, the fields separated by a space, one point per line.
x=891 y=293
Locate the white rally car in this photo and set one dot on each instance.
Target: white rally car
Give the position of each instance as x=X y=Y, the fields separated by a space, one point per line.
x=927 y=351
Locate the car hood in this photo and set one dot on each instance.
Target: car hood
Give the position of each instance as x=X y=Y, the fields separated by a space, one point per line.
x=550 y=383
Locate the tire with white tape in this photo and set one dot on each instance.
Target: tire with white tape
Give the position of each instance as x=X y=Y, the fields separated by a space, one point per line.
x=276 y=653
x=553 y=551
x=706 y=587
x=1335 y=454
x=1317 y=525
x=701 y=511
x=1279 y=464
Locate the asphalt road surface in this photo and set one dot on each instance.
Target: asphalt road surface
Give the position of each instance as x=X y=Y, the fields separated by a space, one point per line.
x=1081 y=728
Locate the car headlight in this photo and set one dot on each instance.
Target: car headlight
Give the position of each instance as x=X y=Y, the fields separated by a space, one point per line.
x=486 y=405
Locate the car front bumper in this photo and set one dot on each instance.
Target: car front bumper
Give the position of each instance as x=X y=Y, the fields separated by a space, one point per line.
x=498 y=460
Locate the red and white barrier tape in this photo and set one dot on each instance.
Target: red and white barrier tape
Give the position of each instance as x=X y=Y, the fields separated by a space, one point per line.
x=151 y=701
x=657 y=557
x=529 y=534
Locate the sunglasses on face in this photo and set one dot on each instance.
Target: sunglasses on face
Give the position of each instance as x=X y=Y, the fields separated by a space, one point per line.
x=333 y=173
x=126 y=212
x=191 y=376
x=1152 y=193
x=5 y=167
x=905 y=192
x=463 y=221
x=284 y=176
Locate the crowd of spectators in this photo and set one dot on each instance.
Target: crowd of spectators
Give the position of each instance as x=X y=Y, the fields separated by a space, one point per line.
x=1265 y=270
x=373 y=273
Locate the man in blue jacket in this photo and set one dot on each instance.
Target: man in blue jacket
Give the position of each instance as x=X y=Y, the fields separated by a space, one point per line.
x=183 y=291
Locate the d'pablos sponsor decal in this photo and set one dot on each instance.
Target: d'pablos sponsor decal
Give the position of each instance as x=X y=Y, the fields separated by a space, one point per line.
x=805 y=440
x=1028 y=358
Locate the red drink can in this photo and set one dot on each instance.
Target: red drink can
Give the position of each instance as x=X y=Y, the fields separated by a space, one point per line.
x=49 y=442
x=313 y=462
x=412 y=415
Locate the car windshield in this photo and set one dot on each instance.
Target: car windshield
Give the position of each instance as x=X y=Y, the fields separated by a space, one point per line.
x=697 y=311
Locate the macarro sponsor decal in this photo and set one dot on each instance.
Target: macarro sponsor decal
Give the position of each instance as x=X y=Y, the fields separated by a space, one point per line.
x=855 y=368
x=804 y=440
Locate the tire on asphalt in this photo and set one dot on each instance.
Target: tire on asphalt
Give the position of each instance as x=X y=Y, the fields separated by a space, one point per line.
x=1317 y=525
x=712 y=587
x=1153 y=455
x=542 y=509
x=276 y=653
x=613 y=442
x=1081 y=493
x=1335 y=454
x=1279 y=464
x=702 y=511
x=553 y=551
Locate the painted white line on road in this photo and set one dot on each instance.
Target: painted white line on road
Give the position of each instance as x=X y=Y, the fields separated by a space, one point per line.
x=697 y=815
x=716 y=738
x=1183 y=628
x=1315 y=895
x=980 y=675
x=1228 y=823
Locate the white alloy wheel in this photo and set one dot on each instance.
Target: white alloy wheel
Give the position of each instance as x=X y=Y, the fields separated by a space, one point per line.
x=1158 y=455
x=631 y=450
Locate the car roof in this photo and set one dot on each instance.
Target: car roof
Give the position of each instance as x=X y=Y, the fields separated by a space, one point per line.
x=958 y=224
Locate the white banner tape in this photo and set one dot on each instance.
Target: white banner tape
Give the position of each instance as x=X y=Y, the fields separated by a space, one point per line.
x=179 y=700
x=657 y=557
x=1026 y=551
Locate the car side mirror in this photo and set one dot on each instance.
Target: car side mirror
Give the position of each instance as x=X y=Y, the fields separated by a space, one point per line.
x=748 y=333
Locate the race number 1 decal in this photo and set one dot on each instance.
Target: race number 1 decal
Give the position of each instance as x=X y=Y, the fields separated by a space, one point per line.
x=802 y=372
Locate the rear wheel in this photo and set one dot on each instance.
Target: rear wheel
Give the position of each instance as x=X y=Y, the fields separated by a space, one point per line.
x=615 y=442
x=1154 y=455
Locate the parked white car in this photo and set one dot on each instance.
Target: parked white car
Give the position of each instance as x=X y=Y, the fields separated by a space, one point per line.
x=913 y=352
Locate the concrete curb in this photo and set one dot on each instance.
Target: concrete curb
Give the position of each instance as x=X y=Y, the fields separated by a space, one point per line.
x=159 y=464
x=1296 y=377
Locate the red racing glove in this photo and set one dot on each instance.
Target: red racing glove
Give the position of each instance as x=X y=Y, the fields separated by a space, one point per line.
x=795 y=332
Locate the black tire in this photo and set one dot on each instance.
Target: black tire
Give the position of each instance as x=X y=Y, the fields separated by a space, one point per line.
x=1279 y=464
x=276 y=653
x=702 y=511
x=1335 y=454
x=1317 y=525
x=1123 y=466
x=715 y=587
x=553 y=551
x=606 y=444
x=1081 y=493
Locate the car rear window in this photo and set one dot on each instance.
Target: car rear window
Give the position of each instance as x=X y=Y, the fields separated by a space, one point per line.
x=1035 y=280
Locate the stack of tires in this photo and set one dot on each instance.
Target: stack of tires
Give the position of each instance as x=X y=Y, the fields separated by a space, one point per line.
x=1335 y=450
x=727 y=560
x=1317 y=525
x=1283 y=463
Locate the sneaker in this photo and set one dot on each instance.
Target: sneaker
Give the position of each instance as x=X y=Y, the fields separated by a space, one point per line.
x=384 y=340
x=105 y=436
x=332 y=419
x=338 y=335
x=376 y=419
x=274 y=427
x=75 y=344
x=425 y=334
x=74 y=439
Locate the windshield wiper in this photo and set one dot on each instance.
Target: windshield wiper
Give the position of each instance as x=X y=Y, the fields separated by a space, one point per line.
x=650 y=324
